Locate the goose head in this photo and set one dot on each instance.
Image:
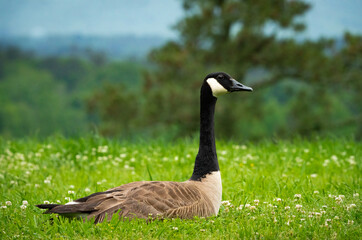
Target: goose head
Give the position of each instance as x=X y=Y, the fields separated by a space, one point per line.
x=221 y=83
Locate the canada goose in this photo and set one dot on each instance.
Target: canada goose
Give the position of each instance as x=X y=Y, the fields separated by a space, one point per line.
x=198 y=196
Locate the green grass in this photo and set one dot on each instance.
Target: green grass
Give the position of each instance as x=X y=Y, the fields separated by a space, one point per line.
x=325 y=172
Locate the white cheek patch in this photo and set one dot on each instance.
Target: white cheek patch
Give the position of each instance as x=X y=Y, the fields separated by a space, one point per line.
x=216 y=88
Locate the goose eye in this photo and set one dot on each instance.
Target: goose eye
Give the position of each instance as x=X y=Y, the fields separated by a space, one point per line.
x=220 y=77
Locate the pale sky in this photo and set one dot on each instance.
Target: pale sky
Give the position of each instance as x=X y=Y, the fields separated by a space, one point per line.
x=147 y=17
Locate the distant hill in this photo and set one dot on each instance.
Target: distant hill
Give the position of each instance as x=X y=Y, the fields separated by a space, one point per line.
x=114 y=47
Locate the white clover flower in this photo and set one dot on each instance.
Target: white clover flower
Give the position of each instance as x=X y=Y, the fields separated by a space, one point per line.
x=252 y=208
x=355 y=195
x=175 y=228
x=70 y=192
x=297 y=195
x=247 y=205
x=226 y=203
x=341 y=196
x=8 y=203
x=287 y=208
x=336 y=217
x=202 y=230
x=324 y=206
x=298 y=206
x=256 y=201
x=350 y=222
x=58 y=201
x=23 y=207
x=316 y=192
x=240 y=207
x=314 y=175
x=71 y=186
x=36 y=185
x=47 y=181
x=25 y=202
x=338 y=200
x=275 y=220
x=46 y=202
x=334 y=157
x=87 y=190
x=4 y=207
x=278 y=199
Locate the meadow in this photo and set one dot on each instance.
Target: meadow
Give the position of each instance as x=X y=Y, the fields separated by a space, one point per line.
x=303 y=189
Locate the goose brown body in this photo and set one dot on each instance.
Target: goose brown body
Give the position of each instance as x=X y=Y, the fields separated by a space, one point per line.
x=150 y=199
x=198 y=196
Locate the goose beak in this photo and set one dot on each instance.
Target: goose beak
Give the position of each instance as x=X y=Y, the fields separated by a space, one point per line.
x=236 y=86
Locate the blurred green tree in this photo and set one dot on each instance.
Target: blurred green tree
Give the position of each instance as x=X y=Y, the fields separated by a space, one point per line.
x=301 y=87
x=307 y=80
x=33 y=103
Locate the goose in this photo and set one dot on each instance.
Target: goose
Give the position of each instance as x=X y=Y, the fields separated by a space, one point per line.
x=199 y=196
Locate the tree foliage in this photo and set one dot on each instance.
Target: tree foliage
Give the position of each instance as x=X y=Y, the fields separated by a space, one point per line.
x=301 y=87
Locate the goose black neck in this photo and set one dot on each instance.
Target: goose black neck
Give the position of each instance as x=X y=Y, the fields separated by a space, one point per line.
x=206 y=159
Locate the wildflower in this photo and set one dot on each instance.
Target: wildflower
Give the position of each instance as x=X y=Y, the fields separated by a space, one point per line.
x=352 y=205
x=297 y=195
x=240 y=207
x=355 y=195
x=47 y=181
x=316 y=192
x=36 y=185
x=334 y=158
x=275 y=220
x=71 y=186
x=287 y=208
x=341 y=196
x=226 y=203
x=175 y=228
x=87 y=190
x=70 y=192
x=324 y=206
x=256 y=201
x=252 y=208
x=278 y=199
x=336 y=217
x=338 y=200
x=23 y=207
x=314 y=175
x=298 y=206
x=247 y=205
x=350 y=222
x=46 y=202
x=202 y=230
x=8 y=203
x=25 y=202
